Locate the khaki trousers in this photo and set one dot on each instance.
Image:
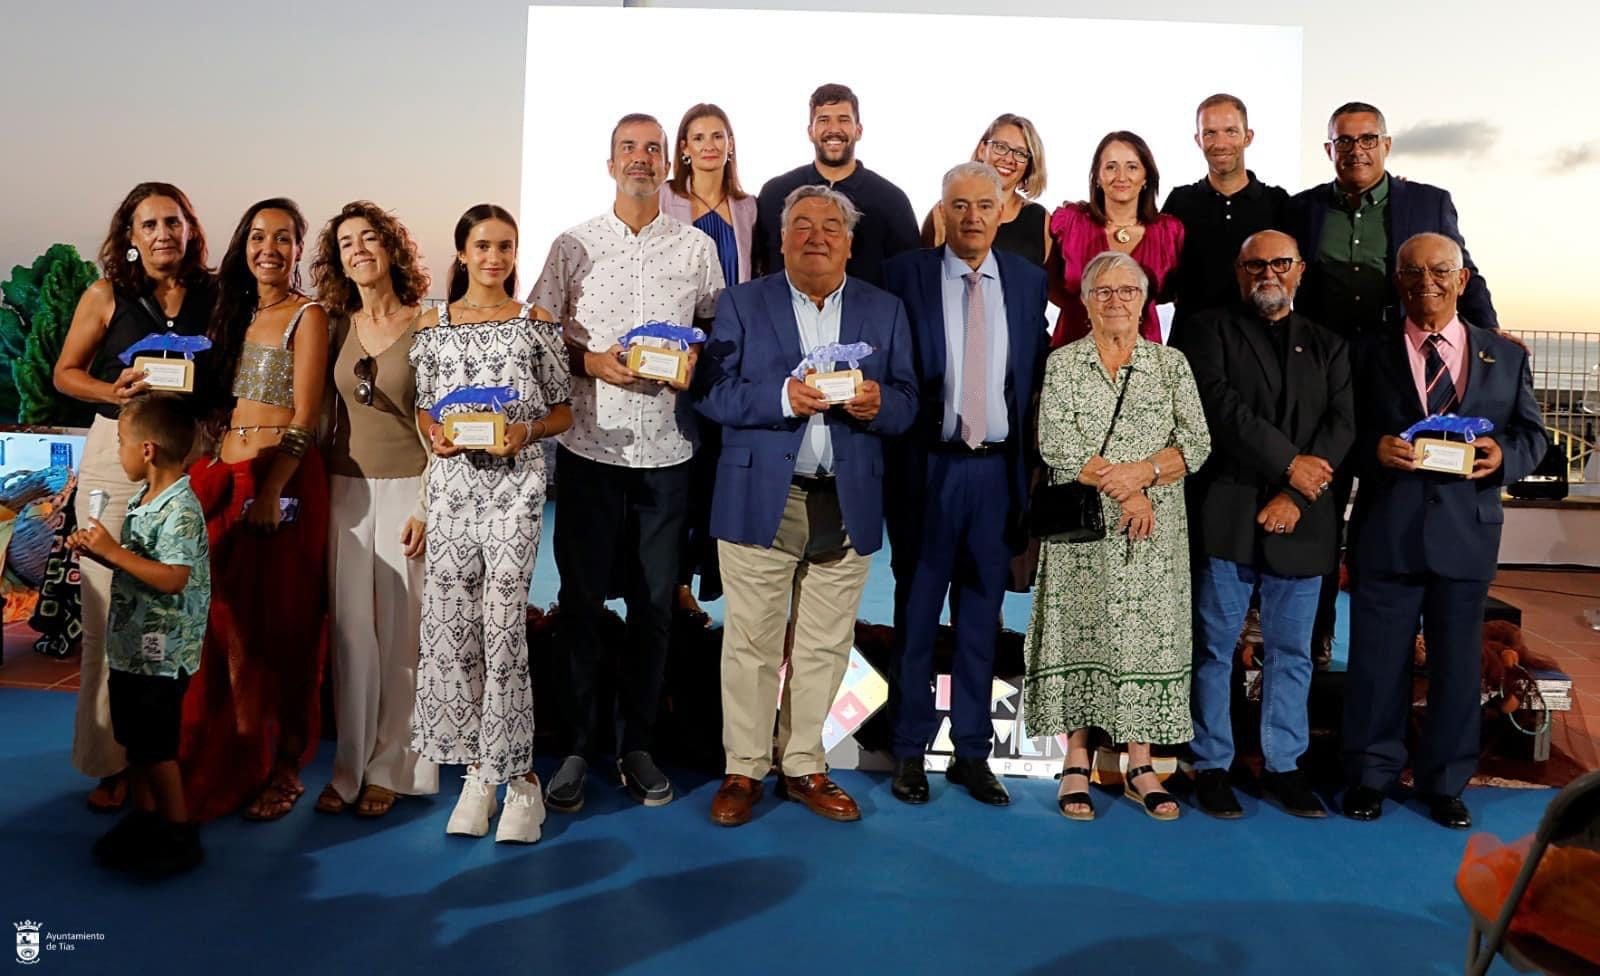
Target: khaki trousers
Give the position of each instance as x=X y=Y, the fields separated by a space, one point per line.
x=761 y=584
x=94 y=750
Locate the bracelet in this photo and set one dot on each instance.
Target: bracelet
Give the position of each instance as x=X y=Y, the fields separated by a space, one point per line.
x=295 y=440
x=1157 y=469
x=543 y=430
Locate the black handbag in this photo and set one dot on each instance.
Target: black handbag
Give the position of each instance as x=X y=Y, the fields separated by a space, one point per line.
x=1071 y=512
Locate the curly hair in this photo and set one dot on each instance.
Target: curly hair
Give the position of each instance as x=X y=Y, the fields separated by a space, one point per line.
x=128 y=277
x=407 y=272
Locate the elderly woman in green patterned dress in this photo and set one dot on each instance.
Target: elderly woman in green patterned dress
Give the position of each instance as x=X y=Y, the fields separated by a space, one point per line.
x=1108 y=645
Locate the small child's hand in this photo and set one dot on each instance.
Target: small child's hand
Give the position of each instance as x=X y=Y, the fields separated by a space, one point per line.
x=94 y=540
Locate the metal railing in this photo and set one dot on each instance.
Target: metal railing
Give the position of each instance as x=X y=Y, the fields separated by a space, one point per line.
x=1566 y=382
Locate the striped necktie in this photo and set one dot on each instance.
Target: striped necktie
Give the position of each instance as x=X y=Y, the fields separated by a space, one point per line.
x=1440 y=388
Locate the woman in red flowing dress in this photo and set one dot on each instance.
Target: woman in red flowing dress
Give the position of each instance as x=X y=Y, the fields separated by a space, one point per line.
x=251 y=716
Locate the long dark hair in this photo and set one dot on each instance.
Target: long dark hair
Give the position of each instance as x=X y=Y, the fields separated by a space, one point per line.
x=237 y=294
x=681 y=171
x=1148 y=214
x=407 y=274
x=128 y=277
x=469 y=220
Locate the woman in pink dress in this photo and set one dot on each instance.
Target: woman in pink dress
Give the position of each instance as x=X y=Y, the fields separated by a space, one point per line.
x=1120 y=215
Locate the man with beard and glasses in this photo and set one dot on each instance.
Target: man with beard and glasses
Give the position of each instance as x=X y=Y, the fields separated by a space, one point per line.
x=622 y=497
x=1218 y=211
x=1277 y=395
x=887 y=226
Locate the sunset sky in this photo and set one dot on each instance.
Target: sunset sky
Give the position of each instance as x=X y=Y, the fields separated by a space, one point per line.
x=419 y=106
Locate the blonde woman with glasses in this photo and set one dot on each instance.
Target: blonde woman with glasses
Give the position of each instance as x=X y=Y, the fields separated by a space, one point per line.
x=1012 y=147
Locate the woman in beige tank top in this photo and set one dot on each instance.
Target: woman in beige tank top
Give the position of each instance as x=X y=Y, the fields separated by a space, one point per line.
x=369 y=275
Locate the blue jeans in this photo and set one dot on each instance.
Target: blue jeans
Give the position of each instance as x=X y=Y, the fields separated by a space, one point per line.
x=1288 y=611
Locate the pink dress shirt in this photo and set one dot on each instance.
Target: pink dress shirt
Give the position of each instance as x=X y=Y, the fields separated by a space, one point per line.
x=1453 y=349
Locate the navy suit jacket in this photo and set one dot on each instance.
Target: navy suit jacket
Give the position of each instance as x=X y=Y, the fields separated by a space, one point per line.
x=1414 y=522
x=1414 y=208
x=754 y=343
x=917 y=278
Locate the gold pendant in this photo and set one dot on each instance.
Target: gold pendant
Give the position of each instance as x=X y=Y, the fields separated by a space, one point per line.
x=1122 y=235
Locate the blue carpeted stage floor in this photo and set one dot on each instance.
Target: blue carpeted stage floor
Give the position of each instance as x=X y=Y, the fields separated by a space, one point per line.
x=952 y=887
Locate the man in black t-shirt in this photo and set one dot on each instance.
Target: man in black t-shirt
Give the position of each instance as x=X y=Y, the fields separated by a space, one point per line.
x=1219 y=211
x=888 y=225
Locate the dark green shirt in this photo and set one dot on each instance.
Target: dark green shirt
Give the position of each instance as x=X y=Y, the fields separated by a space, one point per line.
x=1354 y=257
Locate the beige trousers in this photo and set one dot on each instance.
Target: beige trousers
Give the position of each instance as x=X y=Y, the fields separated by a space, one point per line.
x=759 y=583
x=94 y=750
x=376 y=609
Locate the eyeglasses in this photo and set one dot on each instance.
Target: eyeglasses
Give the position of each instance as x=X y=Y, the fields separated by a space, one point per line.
x=1366 y=140
x=1126 y=293
x=1278 y=265
x=366 y=372
x=1001 y=149
x=1413 y=274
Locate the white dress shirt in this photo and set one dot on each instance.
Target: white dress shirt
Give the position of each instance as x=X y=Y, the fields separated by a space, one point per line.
x=955 y=342
x=601 y=280
x=818 y=326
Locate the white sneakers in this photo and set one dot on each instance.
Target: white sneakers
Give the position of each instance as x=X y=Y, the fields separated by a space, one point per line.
x=519 y=824
x=477 y=804
x=524 y=813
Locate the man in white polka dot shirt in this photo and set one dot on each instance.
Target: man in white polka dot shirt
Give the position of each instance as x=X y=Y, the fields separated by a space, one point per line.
x=622 y=491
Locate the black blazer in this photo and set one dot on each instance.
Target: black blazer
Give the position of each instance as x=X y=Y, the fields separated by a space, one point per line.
x=1413 y=522
x=1414 y=208
x=916 y=277
x=1254 y=436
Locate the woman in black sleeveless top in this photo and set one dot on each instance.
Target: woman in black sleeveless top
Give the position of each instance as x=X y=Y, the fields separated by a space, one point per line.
x=156 y=280
x=1011 y=145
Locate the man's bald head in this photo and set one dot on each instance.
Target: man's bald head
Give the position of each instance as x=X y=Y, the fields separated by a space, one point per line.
x=1430 y=274
x=1269 y=271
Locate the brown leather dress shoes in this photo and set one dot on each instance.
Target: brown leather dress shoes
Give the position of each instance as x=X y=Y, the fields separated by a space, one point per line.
x=821 y=795
x=735 y=800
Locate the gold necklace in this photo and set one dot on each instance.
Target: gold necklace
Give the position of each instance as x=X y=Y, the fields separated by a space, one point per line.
x=1121 y=235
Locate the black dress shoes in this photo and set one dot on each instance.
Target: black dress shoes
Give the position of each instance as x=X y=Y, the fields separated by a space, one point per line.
x=910 y=784
x=1363 y=803
x=1293 y=793
x=1449 y=811
x=979 y=780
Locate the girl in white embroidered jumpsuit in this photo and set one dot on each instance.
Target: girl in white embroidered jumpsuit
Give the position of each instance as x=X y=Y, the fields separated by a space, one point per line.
x=474 y=701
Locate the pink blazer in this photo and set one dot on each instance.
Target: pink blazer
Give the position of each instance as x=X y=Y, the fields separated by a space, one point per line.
x=1079 y=240
x=744 y=222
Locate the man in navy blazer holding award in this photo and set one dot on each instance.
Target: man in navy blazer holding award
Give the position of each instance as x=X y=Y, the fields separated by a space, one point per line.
x=1425 y=543
x=798 y=505
x=959 y=482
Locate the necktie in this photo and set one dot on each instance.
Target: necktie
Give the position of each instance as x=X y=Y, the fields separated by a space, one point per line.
x=972 y=413
x=1440 y=389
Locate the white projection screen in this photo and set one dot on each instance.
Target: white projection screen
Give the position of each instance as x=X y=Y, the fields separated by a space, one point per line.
x=928 y=85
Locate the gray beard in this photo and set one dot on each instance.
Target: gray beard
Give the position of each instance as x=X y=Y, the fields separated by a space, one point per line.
x=1269 y=303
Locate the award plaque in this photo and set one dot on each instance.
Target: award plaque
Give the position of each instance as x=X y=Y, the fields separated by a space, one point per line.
x=656 y=363
x=476 y=431
x=172 y=375
x=1443 y=456
x=838 y=386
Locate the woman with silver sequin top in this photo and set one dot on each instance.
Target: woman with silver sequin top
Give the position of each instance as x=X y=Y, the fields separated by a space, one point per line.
x=251 y=716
